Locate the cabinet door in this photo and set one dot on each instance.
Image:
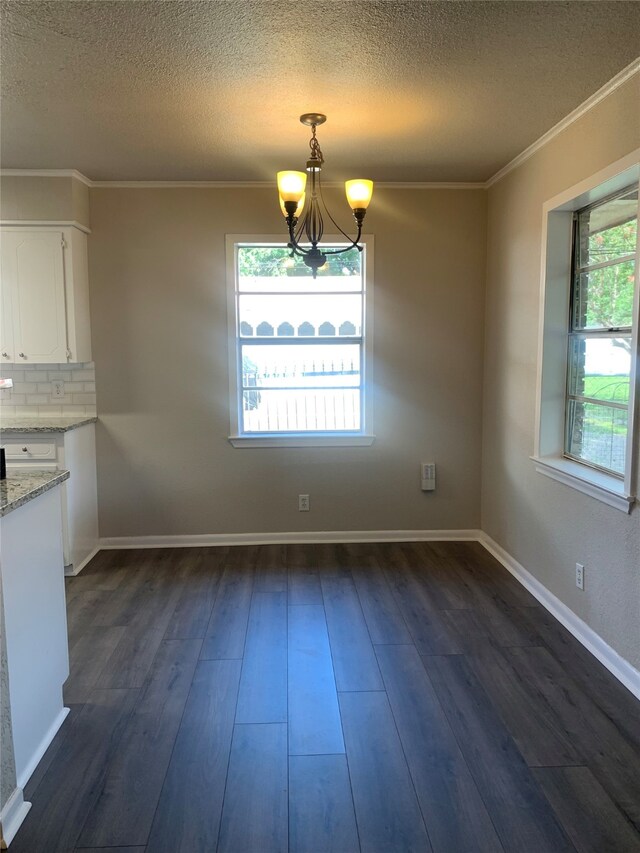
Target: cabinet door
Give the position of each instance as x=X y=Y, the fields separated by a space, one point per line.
x=33 y=270
x=7 y=350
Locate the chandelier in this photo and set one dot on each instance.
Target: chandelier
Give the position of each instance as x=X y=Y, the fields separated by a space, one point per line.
x=305 y=222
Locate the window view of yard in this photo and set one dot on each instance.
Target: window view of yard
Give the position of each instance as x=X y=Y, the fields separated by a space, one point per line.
x=600 y=341
x=300 y=342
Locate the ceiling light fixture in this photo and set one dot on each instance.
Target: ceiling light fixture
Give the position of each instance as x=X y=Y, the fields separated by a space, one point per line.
x=306 y=224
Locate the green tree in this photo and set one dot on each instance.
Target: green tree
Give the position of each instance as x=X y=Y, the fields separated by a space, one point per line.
x=275 y=261
x=607 y=293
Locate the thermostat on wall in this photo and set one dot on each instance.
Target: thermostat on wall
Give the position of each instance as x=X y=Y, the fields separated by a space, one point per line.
x=428 y=475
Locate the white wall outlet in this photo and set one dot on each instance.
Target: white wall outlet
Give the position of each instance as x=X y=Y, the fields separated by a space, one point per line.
x=57 y=389
x=428 y=476
x=303 y=503
x=579 y=575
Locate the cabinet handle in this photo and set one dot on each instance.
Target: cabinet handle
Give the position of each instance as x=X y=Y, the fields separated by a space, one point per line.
x=22 y=355
x=5 y=355
x=25 y=449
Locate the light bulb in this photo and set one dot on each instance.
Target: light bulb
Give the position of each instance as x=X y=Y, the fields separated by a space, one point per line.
x=298 y=208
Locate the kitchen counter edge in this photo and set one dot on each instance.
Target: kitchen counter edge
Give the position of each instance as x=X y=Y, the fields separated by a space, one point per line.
x=12 y=426
x=23 y=486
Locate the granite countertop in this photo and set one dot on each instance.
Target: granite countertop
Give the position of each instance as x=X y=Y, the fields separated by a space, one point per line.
x=20 y=487
x=16 y=425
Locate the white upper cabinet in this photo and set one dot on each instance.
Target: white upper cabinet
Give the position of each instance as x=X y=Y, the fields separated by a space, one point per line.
x=45 y=296
x=33 y=274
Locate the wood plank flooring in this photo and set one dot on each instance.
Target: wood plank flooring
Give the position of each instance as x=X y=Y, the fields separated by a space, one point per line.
x=330 y=699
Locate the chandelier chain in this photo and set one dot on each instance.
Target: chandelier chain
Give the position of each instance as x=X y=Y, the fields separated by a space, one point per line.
x=314 y=145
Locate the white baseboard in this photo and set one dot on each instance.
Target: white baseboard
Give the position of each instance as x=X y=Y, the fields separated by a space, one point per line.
x=43 y=746
x=617 y=665
x=13 y=813
x=608 y=657
x=75 y=570
x=305 y=537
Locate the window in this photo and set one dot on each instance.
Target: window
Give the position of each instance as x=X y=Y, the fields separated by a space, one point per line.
x=587 y=374
x=300 y=348
x=600 y=333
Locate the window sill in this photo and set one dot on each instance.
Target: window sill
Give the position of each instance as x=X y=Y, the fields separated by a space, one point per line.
x=596 y=484
x=301 y=440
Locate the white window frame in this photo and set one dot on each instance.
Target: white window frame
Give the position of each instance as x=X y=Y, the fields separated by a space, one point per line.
x=556 y=278
x=363 y=436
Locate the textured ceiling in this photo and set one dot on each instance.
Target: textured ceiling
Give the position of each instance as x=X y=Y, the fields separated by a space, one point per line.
x=414 y=91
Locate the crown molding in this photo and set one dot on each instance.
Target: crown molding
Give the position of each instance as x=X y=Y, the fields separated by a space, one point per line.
x=45 y=223
x=46 y=173
x=427 y=185
x=585 y=106
x=149 y=185
x=395 y=185
x=72 y=173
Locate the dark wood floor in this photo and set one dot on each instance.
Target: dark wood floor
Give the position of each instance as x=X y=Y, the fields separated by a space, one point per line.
x=404 y=697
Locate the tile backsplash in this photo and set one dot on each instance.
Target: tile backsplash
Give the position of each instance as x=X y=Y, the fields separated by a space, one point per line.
x=32 y=392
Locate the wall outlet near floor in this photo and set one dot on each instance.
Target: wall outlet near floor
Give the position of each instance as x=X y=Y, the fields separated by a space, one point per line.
x=303 y=503
x=57 y=389
x=579 y=575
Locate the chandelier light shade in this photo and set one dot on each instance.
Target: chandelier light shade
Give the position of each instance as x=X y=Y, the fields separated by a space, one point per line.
x=291 y=185
x=359 y=193
x=305 y=220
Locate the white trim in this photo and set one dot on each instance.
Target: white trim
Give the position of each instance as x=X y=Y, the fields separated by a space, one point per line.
x=77 y=569
x=308 y=537
x=232 y=331
x=46 y=173
x=608 y=657
x=43 y=746
x=568 y=120
x=302 y=440
x=391 y=185
x=428 y=185
x=589 y=481
x=593 y=188
x=553 y=323
x=143 y=185
x=13 y=813
x=46 y=223
x=237 y=440
x=168 y=185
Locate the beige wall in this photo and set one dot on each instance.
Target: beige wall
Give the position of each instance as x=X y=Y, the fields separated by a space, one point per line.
x=57 y=199
x=545 y=525
x=158 y=314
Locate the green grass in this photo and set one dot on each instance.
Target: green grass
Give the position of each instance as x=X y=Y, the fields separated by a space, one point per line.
x=596 y=419
x=607 y=388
